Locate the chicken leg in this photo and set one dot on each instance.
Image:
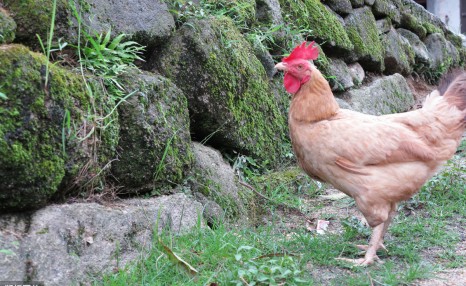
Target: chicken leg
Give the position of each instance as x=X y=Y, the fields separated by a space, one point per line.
x=391 y=215
x=375 y=243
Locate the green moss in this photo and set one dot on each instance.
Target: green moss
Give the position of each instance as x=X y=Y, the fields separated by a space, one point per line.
x=34 y=164
x=363 y=33
x=154 y=135
x=33 y=17
x=410 y=22
x=311 y=15
x=431 y=29
x=242 y=12
x=230 y=99
x=7 y=28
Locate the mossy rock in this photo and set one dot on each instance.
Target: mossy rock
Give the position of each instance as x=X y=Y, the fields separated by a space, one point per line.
x=7 y=27
x=242 y=12
x=154 y=149
x=362 y=31
x=46 y=137
x=216 y=180
x=410 y=23
x=387 y=8
x=429 y=21
x=33 y=17
x=153 y=26
x=421 y=55
x=399 y=55
x=230 y=101
x=390 y=94
x=324 y=25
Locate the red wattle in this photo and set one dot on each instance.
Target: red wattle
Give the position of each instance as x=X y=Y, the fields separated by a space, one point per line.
x=291 y=83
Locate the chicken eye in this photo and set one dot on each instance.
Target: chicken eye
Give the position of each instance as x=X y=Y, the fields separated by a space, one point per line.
x=300 y=67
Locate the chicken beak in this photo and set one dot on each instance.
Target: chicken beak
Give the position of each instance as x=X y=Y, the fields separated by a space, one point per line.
x=281 y=66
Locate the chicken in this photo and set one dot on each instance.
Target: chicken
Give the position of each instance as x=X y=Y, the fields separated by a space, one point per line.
x=377 y=160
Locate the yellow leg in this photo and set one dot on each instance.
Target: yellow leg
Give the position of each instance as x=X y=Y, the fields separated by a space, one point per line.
x=374 y=244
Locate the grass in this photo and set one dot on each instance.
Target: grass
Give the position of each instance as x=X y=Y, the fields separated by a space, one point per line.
x=422 y=240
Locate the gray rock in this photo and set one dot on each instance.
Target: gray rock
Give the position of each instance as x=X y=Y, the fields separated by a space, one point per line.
x=438 y=51
x=453 y=52
x=264 y=56
x=269 y=12
x=357 y=3
x=421 y=54
x=341 y=75
x=12 y=230
x=384 y=25
x=386 y=95
x=77 y=243
x=226 y=86
x=387 y=8
x=357 y=73
x=154 y=149
x=217 y=181
x=369 y=2
x=399 y=55
x=362 y=31
x=7 y=27
x=342 y=7
x=147 y=21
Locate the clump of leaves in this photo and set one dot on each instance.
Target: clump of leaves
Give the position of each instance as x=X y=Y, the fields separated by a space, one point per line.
x=266 y=270
x=108 y=58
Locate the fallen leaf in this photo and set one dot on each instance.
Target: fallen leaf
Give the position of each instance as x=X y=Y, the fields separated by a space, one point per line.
x=172 y=256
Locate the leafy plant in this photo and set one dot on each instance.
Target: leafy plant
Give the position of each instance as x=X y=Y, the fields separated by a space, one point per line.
x=109 y=58
x=266 y=270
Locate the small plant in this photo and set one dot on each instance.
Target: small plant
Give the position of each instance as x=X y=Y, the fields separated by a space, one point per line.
x=265 y=270
x=108 y=58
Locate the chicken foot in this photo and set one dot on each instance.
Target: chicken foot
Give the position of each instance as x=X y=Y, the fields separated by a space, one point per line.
x=374 y=244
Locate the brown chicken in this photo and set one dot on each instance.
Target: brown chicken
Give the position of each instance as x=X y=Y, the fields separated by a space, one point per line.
x=377 y=160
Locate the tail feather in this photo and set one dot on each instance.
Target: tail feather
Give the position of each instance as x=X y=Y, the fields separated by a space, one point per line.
x=453 y=88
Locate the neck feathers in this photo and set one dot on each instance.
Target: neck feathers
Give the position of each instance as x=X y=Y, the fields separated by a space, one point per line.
x=314 y=101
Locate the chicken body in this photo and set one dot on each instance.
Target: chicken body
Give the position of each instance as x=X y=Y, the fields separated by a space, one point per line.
x=377 y=160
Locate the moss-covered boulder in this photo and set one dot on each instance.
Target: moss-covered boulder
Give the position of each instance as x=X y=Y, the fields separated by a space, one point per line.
x=154 y=149
x=49 y=143
x=399 y=55
x=363 y=33
x=429 y=21
x=409 y=22
x=384 y=25
x=325 y=26
x=215 y=184
x=230 y=102
x=421 y=55
x=7 y=27
x=387 y=8
x=153 y=26
x=390 y=94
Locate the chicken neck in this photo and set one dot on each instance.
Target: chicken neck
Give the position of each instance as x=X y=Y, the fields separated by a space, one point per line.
x=314 y=101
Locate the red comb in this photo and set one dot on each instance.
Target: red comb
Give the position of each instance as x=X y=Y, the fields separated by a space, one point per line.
x=302 y=52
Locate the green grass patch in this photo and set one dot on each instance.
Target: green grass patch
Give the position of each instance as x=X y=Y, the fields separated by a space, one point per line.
x=422 y=240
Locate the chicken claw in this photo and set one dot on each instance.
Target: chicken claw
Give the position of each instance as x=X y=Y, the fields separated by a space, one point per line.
x=362 y=261
x=364 y=247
